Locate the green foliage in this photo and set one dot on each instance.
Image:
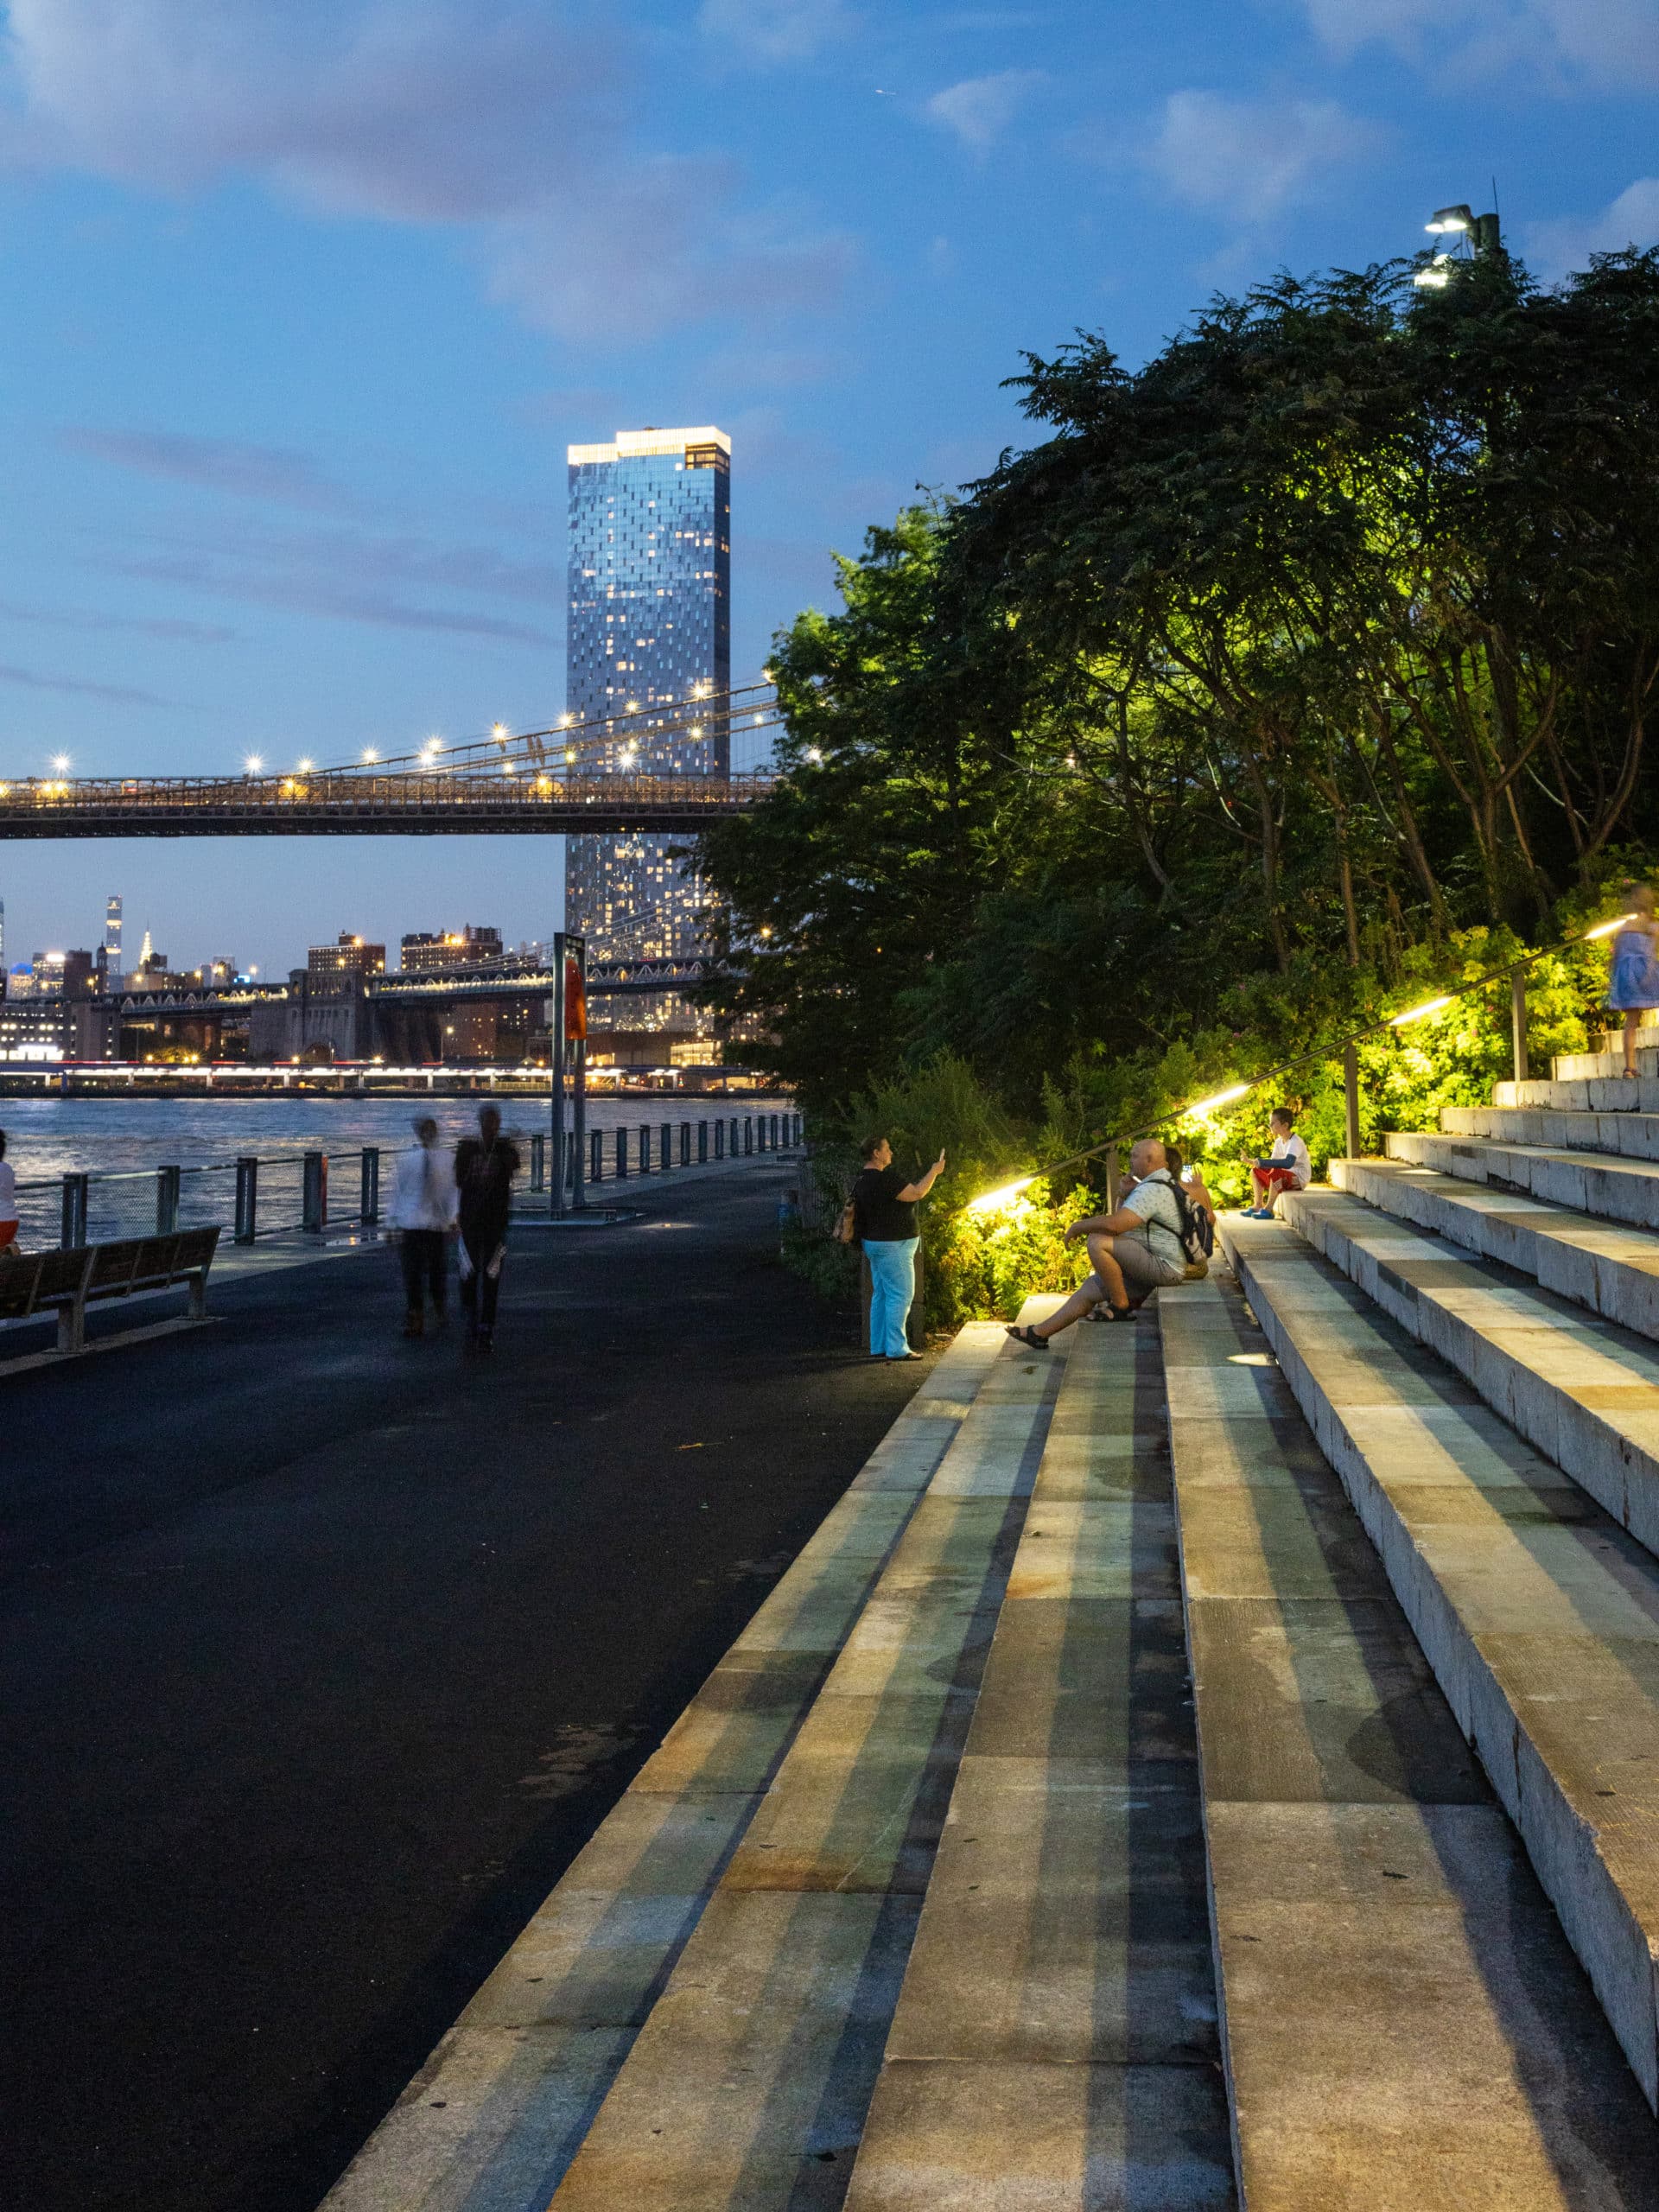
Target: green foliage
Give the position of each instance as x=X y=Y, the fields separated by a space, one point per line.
x=814 y=1255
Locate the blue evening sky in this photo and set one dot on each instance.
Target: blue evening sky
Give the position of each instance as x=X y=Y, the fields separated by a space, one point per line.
x=302 y=300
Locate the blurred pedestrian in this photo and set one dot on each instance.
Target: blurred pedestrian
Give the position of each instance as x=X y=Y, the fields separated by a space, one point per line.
x=1633 y=985
x=423 y=1217
x=8 y=1199
x=884 y=1221
x=485 y=1168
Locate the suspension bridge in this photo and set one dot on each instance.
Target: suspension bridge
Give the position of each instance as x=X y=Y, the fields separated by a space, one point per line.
x=603 y=776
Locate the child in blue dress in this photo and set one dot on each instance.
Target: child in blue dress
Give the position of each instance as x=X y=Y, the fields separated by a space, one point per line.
x=1633 y=985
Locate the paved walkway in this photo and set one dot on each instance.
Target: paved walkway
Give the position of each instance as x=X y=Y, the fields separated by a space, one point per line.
x=323 y=1653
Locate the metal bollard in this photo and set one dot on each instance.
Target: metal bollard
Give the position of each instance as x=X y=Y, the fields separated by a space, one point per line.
x=621 y=1155
x=702 y=1142
x=596 y=1157
x=369 y=1204
x=774 y=1132
x=167 y=1201
x=315 y=1215
x=247 y=1197
x=74 y=1211
x=720 y=1138
x=645 y=1148
x=685 y=1144
x=538 y=1163
x=667 y=1153
x=748 y=1136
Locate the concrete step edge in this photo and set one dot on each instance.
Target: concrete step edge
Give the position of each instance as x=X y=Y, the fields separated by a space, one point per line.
x=1613 y=1929
x=491 y=2120
x=1612 y=1188
x=1631 y=1136
x=1404 y=1273
x=753 y=2070
x=1610 y=1271
x=1394 y=1859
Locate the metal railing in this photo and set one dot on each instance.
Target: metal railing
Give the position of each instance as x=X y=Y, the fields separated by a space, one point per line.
x=274 y=1194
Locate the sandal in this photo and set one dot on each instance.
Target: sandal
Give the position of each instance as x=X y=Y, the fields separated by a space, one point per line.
x=1106 y=1312
x=1029 y=1337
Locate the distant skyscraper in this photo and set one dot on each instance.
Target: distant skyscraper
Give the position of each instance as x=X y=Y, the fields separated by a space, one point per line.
x=650 y=618
x=113 y=931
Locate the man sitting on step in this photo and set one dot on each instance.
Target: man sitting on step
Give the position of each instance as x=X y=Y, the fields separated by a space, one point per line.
x=1140 y=1244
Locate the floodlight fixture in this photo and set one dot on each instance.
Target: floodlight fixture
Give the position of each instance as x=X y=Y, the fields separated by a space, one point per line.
x=1460 y=218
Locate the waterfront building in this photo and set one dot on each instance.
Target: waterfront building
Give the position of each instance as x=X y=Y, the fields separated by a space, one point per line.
x=36 y=1031
x=429 y=953
x=348 y=955
x=649 y=623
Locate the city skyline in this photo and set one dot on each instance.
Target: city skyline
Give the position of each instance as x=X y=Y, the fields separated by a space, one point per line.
x=285 y=427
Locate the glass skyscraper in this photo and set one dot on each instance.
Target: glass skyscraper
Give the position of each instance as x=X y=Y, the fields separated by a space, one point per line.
x=650 y=620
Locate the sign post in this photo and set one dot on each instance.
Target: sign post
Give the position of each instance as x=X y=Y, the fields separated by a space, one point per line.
x=567 y=1025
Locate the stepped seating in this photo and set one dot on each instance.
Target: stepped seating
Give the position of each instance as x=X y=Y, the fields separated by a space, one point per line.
x=1214 y=1764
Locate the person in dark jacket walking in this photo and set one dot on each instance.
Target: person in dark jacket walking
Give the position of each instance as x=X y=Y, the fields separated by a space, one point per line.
x=485 y=1168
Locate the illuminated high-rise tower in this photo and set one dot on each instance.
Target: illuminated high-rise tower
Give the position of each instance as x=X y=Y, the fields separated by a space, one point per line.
x=113 y=931
x=649 y=621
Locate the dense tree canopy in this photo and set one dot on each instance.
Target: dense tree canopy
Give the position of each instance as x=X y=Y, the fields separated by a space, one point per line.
x=1332 y=629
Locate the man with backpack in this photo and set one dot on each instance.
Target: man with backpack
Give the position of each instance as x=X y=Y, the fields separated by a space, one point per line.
x=1154 y=1238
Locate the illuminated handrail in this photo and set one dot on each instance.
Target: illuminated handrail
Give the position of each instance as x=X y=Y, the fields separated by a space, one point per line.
x=1517 y=970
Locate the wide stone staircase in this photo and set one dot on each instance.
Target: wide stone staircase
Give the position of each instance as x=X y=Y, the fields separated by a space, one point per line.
x=1215 y=1763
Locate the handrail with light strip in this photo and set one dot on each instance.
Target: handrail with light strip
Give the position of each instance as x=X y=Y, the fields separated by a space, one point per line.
x=988 y=1201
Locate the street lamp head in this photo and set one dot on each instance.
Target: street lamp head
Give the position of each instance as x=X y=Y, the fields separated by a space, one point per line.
x=1460 y=218
x=1437 y=275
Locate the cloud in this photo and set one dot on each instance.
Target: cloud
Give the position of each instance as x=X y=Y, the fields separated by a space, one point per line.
x=1555 y=248
x=1557 y=44
x=228 y=464
x=980 y=109
x=505 y=120
x=192 y=633
x=115 y=694
x=1251 y=158
x=770 y=32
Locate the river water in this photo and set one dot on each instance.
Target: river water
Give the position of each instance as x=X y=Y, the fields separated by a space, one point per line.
x=49 y=1138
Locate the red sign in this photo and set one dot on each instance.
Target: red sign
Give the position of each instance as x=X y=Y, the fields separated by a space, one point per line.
x=575 y=998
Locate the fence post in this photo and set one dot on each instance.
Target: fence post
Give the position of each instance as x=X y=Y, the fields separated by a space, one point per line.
x=538 y=1163
x=167 y=1201
x=774 y=1132
x=621 y=1155
x=1518 y=1022
x=1351 y=1098
x=685 y=1144
x=315 y=1217
x=702 y=1142
x=369 y=1207
x=1111 y=1178
x=720 y=1138
x=748 y=1135
x=247 y=1197
x=596 y=1156
x=74 y=1211
x=645 y=1148
x=667 y=1153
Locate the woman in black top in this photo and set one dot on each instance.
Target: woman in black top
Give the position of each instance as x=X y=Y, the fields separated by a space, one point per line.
x=884 y=1221
x=485 y=1168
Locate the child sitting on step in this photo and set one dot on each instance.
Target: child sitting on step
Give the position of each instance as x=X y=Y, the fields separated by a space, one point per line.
x=1289 y=1167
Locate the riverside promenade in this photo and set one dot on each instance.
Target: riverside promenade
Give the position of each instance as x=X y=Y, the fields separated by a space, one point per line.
x=324 y=1652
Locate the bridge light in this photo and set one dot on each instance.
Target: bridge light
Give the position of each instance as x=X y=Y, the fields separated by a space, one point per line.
x=253 y=763
x=60 y=762
x=569 y=755
x=433 y=746
x=306 y=767
x=369 y=753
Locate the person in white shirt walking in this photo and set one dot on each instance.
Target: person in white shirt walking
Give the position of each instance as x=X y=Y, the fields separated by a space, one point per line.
x=1288 y=1169
x=8 y=1199
x=425 y=1207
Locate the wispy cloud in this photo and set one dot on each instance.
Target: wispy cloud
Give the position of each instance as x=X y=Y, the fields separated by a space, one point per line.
x=225 y=465
x=1250 y=159
x=1632 y=219
x=505 y=120
x=1557 y=44
x=772 y=32
x=980 y=109
x=60 y=618
x=119 y=694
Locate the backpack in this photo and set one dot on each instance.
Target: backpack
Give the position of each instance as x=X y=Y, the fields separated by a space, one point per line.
x=1197 y=1232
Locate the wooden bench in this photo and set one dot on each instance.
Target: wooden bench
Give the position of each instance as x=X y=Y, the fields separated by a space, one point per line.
x=66 y=1283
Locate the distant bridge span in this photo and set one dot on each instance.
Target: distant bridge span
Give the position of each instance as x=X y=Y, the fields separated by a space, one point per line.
x=621 y=774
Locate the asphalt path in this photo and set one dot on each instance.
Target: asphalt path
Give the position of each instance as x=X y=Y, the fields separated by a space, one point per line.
x=323 y=1653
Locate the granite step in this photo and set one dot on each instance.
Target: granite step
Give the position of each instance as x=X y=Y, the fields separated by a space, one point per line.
x=1625 y=1134
x=1598 y=1095
x=1540 y=1618
x=1579 y=1067
x=1597 y=1264
x=1405 y=2025
x=492 y=2120
x=1585 y=1182
x=1583 y=1390
x=1055 y=2039
x=745 y=2089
